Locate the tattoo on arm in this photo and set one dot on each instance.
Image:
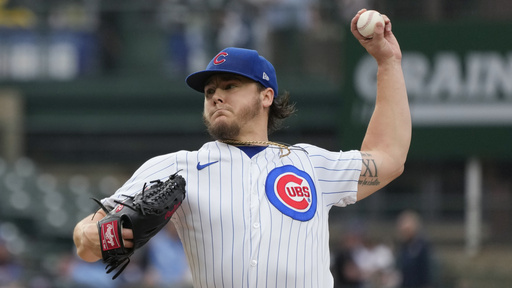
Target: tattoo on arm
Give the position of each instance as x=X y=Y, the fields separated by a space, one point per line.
x=369 y=173
x=369 y=168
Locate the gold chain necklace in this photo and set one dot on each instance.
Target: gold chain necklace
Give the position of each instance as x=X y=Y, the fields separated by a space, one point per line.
x=258 y=143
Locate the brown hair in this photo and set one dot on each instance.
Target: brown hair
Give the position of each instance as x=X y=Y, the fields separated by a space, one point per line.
x=280 y=109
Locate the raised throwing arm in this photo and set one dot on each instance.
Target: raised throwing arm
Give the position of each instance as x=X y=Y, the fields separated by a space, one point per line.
x=388 y=136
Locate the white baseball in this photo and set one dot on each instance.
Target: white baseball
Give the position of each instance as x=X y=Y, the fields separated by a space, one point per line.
x=367 y=21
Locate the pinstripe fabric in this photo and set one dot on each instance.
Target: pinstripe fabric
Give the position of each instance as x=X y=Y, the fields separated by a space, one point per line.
x=232 y=234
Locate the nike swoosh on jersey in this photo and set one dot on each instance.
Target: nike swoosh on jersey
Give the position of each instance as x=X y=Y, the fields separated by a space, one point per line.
x=202 y=166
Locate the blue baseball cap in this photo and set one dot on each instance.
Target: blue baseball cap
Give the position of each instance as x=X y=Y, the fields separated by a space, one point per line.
x=244 y=62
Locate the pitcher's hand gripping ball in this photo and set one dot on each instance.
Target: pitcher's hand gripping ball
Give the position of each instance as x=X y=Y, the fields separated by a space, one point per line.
x=146 y=213
x=367 y=21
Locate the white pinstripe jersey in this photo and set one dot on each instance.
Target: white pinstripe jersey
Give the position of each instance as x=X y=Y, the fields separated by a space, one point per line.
x=260 y=221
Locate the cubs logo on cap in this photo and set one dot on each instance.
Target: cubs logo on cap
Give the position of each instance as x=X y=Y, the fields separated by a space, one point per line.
x=240 y=61
x=292 y=191
x=220 y=58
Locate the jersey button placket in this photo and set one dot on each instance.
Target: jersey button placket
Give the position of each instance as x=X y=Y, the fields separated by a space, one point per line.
x=254 y=206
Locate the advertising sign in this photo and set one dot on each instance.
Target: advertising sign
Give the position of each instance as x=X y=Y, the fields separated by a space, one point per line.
x=459 y=84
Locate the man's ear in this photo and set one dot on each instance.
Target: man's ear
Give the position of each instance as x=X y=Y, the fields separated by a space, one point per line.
x=267 y=97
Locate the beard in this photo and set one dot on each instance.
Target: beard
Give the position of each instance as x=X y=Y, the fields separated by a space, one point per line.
x=229 y=130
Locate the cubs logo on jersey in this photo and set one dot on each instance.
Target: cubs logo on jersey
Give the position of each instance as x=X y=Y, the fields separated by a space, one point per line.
x=292 y=191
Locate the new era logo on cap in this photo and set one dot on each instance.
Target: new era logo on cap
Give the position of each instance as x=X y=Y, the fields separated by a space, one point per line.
x=239 y=61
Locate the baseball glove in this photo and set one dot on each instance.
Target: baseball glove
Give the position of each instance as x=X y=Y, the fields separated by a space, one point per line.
x=146 y=213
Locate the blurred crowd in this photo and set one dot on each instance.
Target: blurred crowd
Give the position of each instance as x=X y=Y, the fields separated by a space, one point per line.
x=406 y=260
x=160 y=264
x=83 y=38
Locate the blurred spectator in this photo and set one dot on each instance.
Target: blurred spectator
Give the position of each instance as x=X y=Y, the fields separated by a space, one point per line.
x=377 y=264
x=176 y=17
x=110 y=40
x=167 y=265
x=363 y=262
x=414 y=252
x=235 y=28
x=11 y=272
x=287 y=21
x=345 y=271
